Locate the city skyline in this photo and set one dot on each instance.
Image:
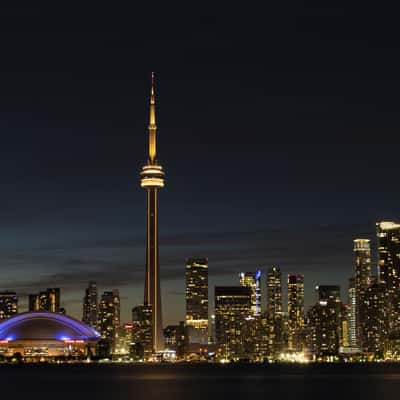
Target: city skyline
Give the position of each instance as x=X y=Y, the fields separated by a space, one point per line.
x=263 y=274
x=274 y=134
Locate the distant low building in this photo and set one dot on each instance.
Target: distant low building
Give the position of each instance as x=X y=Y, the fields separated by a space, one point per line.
x=48 y=300
x=8 y=304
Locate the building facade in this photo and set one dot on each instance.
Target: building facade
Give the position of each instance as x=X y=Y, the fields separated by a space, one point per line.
x=325 y=324
x=232 y=310
x=123 y=339
x=252 y=280
x=362 y=259
x=274 y=324
x=8 y=304
x=109 y=318
x=48 y=300
x=197 y=300
x=388 y=235
x=351 y=315
x=377 y=324
x=142 y=339
x=176 y=339
x=295 y=312
x=90 y=306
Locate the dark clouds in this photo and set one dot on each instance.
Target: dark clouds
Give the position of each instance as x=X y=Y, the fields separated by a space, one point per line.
x=320 y=252
x=279 y=134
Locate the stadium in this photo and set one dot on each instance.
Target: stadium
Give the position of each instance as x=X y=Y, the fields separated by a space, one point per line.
x=36 y=336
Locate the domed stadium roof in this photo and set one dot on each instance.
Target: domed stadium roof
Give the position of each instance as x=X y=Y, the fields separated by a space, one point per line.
x=45 y=326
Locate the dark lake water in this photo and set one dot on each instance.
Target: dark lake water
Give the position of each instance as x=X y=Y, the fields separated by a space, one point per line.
x=206 y=382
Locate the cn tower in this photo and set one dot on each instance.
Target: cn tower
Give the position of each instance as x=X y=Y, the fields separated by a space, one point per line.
x=152 y=179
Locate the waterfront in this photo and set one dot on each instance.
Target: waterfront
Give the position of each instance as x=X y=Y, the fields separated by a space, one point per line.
x=189 y=382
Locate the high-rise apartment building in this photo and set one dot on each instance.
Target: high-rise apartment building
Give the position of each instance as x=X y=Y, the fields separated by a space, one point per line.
x=197 y=300
x=324 y=323
x=296 y=312
x=362 y=258
x=252 y=280
x=232 y=309
x=90 y=306
x=388 y=235
x=152 y=179
x=48 y=300
x=142 y=339
x=351 y=315
x=274 y=291
x=274 y=323
x=376 y=325
x=8 y=304
x=109 y=316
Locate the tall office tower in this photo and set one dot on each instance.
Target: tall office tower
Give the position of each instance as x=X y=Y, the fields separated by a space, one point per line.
x=362 y=257
x=324 y=323
x=109 y=316
x=351 y=315
x=142 y=333
x=389 y=270
x=232 y=309
x=90 y=305
x=8 y=304
x=274 y=291
x=197 y=300
x=296 y=312
x=48 y=300
x=274 y=318
x=152 y=179
x=252 y=280
x=376 y=326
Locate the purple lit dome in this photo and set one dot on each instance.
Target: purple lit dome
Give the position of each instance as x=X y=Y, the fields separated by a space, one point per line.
x=45 y=326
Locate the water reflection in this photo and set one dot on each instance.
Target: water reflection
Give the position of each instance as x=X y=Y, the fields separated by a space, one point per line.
x=205 y=382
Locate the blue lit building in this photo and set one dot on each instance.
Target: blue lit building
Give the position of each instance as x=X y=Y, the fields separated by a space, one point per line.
x=38 y=335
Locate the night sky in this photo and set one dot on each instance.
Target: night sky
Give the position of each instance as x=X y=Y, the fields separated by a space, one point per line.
x=278 y=131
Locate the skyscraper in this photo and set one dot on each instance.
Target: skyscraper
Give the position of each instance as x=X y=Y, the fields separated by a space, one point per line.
x=232 y=309
x=142 y=332
x=362 y=258
x=274 y=291
x=252 y=280
x=48 y=300
x=109 y=316
x=296 y=312
x=389 y=270
x=152 y=179
x=197 y=300
x=274 y=318
x=8 y=304
x=351 y=315
x=376 y=325
x=90 y=305
x=324 y=323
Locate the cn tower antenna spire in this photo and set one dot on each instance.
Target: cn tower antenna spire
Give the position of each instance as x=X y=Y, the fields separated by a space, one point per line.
x=152 y=124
